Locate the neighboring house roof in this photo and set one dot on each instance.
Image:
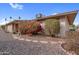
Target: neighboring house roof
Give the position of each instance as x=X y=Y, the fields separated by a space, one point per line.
x=70 y=15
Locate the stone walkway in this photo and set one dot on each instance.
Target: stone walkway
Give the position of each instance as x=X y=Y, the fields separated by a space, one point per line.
x=44 y=40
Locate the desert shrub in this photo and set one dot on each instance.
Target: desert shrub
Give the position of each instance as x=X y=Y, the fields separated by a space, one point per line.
x=72 y=27
x=3 y=27
x=52 y=27
x=72 y=41
x=29 y=27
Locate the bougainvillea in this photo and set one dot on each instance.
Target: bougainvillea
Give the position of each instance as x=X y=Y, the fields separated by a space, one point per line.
x=29 y=27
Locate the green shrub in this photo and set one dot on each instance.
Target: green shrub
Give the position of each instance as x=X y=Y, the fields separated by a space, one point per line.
x=3 y=27
x=52 y=27
x=72 y=27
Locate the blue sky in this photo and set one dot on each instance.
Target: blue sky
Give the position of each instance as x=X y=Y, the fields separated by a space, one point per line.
x=29 y=10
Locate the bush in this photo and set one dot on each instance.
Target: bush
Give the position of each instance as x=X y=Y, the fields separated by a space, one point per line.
x=72 y=27
x=29 y=27
x=3 y=27
x=52 y=27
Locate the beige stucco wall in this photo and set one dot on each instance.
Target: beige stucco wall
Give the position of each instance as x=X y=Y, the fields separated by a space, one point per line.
x=64 y=26
x=9 y=28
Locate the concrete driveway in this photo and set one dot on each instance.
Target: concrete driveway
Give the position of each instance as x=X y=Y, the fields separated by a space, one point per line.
x=11 y=46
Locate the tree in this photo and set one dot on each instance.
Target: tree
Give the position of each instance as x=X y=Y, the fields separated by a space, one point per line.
x=5 y=19
x=39 y=15
x=19 y=17
x=10 y=17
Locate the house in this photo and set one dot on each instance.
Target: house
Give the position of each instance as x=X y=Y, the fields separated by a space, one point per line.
x=65 y=20
x=13 y=26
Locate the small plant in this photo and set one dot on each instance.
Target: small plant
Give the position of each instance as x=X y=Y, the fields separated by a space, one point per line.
x=52 y=27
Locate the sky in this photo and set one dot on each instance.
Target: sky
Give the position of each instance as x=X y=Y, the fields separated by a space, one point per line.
x=28 y=11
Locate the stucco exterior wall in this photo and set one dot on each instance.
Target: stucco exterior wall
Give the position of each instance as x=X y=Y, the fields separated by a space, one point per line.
x=64 y=26
x=9 y=28
x=12 y=28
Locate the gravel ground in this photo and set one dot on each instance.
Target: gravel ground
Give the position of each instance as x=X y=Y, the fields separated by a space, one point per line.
x=29 y=48
x=10 y=46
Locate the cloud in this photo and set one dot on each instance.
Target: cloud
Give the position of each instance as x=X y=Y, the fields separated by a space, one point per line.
x=16 y=6
x=54 y=13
